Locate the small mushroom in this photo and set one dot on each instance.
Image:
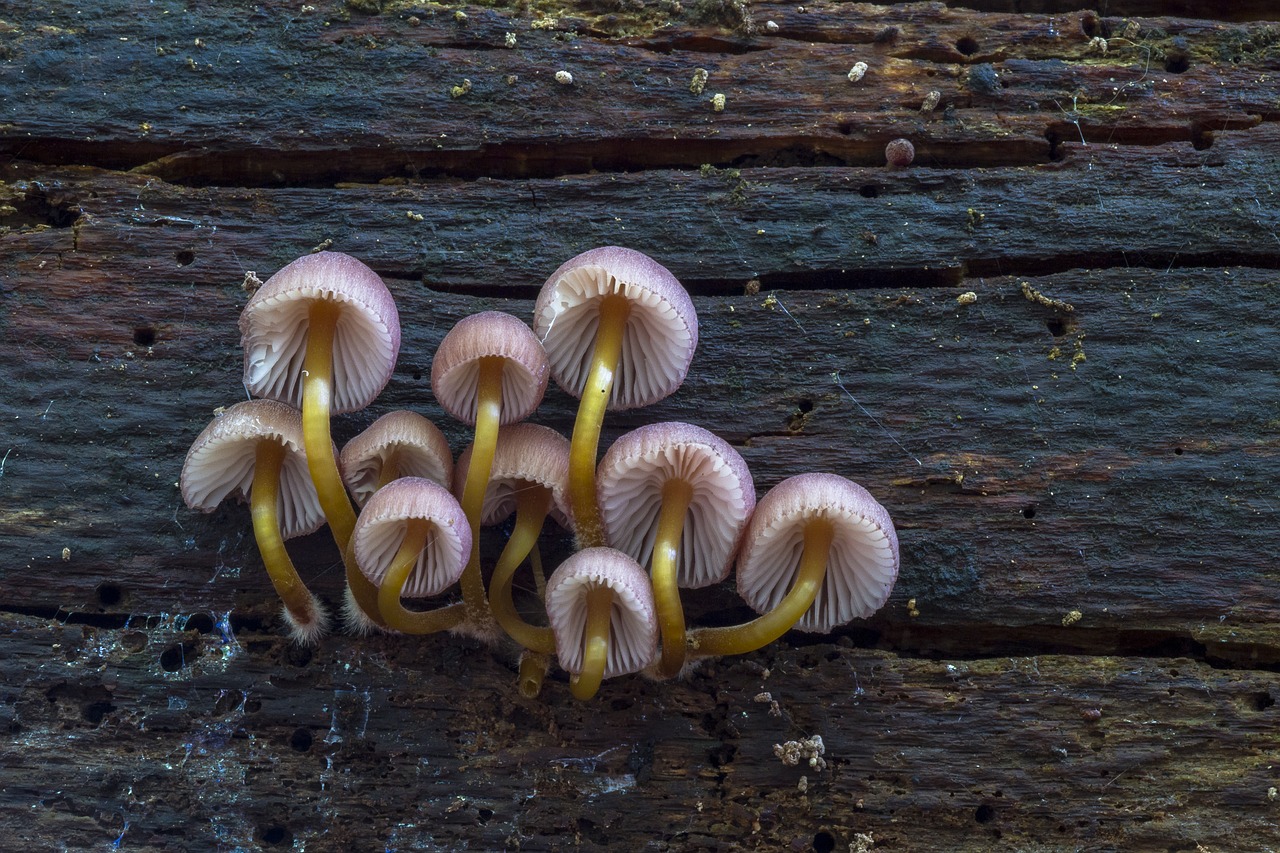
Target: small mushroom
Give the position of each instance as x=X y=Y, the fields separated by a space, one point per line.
x=676 y=497
x=489 y=370
x=819 y=552
x=398 y=444
x=620 y=332
x=412 y=540
x=899 y=153
x=600 y=607
x=322 y=334
x=529 y=479
x=255 y=449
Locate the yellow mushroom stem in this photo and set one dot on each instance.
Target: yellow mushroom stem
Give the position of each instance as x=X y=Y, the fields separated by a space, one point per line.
x=614 y=311
x=676 y=495
x=363 y=591
x=533 y=669
x=532 y=503
x=264 y=506
x=488 y=417
x=595 y=643
x=416 y=537
x=740 y=639
x=390 y=470
x=539 y=576
x=317 y=403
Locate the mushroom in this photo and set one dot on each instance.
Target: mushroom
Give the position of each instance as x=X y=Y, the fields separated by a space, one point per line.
x=676 y=497
x=489 y=370
x=255 y=449
x=620 y=332
x=398 y=444
x=412 y=540
x=819 y=552
x=322 y=335
x=601 y=611
x=530 y=466
x=899 y=153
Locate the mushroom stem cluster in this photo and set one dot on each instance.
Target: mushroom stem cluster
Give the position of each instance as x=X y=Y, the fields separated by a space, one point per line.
x=670 y=506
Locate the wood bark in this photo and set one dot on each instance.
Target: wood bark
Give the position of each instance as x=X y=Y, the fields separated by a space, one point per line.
x=1046 y=347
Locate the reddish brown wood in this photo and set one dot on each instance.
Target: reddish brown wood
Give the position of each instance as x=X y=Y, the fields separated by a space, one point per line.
x=1047 y=347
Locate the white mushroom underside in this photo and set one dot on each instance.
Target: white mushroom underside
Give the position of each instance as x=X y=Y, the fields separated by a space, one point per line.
x=631 y=642
x=362 y=478
x=362 y=349
x=500 y=497
x=858 y=580
x=631 y=501
x=438 y=564
x=216 y=471
x=521 y=391
x=656 y=347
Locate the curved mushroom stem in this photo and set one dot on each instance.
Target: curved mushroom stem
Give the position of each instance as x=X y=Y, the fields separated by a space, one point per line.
x=595 y=643
x=614 y=311
x=539 y=576
x=307 y=619
x=488 y=417
x=361 y=613
x=317 y=402
x=740 y=639
x=532 y=503
x=676 y=495
x=393 y=612
x=533 y=669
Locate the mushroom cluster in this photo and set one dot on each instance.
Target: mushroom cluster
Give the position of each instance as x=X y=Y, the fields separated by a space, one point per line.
x=670 y=506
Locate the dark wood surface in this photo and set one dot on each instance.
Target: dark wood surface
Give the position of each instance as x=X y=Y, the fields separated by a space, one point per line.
x=1047 y=347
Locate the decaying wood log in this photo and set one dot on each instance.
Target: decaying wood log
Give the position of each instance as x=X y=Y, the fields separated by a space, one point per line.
x=1046 y=347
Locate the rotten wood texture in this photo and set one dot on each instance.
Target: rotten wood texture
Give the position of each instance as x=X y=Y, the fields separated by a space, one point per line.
x=218 y=741
x=1046 y=347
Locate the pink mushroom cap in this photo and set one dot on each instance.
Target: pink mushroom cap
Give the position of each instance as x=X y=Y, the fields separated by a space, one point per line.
x=661 y=334
x=862 y=563
x=274 y=324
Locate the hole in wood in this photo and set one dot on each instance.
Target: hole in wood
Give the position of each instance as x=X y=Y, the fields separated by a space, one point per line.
x=173 y=658
x=824 y=842
x=984 y=813
x=109 y=594
x=968 y=45
x=144 y=336
x=301 y=739
x=277 y=835
x=1056 y=326
x=1029 y=511
x=185 y=257
x=94 y=712
x=1177 y=62
x=869 y=191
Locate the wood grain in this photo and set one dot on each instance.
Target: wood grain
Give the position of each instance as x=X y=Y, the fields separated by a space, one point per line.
x=1046 y=347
